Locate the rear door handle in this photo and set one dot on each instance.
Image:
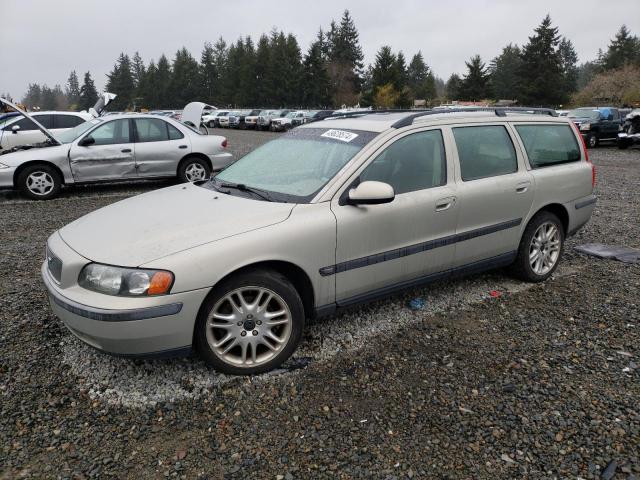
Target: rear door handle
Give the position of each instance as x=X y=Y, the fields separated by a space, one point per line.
x=523 y=187
x=182 y=146
x=126 y=150
x=445 y=204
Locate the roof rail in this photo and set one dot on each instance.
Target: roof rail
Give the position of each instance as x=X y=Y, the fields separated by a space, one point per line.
x=360 y=113
x=498 y=111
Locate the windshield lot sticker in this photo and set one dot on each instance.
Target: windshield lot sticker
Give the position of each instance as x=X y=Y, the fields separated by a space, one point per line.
x=340 y=135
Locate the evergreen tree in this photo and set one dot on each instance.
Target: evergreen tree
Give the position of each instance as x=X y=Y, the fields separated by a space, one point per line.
x=47 y=98
x=541 y=71
x=88 y=93
x=568 y=63
x=264 y=90
x=316 y=83
x=147 y=87
x=420 y=79
x=503 y=73
x=185 y=84
x=120 y=81
x=61 y=101
x=294 y=72
x=623 y=49
x=137 y=69
x=33 y=97
x=475 y=82
x=220 y=54
x=585 y=73
x=73 y=90
x=453 y=87
x=209 y=74
x=162 y=85
x=384 y=69
x=345 y=60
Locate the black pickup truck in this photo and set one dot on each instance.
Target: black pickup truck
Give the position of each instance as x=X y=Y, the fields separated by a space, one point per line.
x=597 y=123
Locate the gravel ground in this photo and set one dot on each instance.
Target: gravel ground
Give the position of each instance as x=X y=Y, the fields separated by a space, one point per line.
x=540 y=382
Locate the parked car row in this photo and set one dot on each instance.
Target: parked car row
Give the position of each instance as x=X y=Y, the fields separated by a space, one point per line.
x=597 y=124
x=257 y=119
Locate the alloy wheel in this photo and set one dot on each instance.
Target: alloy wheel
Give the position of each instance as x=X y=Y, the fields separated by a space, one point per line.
x=249 y=326
x=544 y=249
x=195 y=172
x=40 y=183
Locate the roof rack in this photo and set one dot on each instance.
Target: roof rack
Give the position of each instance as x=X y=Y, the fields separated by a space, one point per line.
x=360 y=113
x=498 y=111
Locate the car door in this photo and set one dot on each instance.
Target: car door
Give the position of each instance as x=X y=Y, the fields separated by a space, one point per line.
x=107 y=154
x=495 y=193
x=159 y=147
x=389 y=245
x=26 y=132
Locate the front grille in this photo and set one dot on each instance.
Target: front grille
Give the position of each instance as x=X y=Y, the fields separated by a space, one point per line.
x=54 y=264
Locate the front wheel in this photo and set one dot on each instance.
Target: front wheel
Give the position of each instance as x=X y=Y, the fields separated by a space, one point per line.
x=194 y=169
x=39 y=182
x=249 y=324
x=592 y=140
x=540 y=248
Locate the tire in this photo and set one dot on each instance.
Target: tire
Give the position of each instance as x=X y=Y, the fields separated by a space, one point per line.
x=623 y=144
x=592 y=140
x=203 y=129
x=39 y=182
x=193 y=169
x=524 y=267
x=211 y=124
x=246 y=352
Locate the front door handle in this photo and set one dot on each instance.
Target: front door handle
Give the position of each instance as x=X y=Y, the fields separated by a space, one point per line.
x=182 y=146
x=523 y=187
x=126 y=150
x=445 y=204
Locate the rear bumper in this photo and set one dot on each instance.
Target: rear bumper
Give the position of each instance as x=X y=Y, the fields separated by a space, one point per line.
x=580 y=211
x=221 y=160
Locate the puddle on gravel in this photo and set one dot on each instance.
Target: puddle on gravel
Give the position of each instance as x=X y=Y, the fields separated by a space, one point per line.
x=143 y=383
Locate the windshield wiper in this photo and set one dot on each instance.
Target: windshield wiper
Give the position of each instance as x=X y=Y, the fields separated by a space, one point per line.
x=243 y=188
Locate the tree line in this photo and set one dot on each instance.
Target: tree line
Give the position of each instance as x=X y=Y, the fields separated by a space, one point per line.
x=274 y=72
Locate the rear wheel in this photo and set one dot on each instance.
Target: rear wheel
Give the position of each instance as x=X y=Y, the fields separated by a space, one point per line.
x=193 y=169
x=249 y=324
x=40 y=182
x=540 y=248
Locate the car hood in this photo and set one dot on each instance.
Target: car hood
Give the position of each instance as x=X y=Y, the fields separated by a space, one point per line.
x=582 y=119
x=140 y=229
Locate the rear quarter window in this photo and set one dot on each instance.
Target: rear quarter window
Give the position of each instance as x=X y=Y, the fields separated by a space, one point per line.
x=548 y=145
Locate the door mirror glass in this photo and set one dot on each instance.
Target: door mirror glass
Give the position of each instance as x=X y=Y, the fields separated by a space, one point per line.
x=371 y=193
x=86 y=141
x=15 y=128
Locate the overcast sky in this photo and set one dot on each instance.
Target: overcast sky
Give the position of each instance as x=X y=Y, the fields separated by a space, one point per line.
x=42 y=41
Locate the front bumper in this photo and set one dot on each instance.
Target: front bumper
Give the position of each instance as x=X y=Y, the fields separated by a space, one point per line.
x=150 y=326
x=6 y=177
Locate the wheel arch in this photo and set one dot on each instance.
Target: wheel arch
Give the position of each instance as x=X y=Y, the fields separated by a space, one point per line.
x=292 y=272
x=30 y=163
x=559 y=211
x=189 y=155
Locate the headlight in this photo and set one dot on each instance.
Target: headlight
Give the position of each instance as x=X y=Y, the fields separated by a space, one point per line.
x=585 y=126
x=125 y=282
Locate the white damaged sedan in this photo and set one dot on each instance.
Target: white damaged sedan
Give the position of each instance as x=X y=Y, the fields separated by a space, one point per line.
x=112 y=148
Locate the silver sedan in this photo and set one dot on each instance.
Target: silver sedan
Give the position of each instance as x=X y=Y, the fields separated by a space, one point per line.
x=113 y=148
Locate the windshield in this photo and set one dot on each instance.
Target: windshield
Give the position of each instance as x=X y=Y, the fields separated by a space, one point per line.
x=296 y=166
x=69 y=136
x=291 y=115
x=584 y=113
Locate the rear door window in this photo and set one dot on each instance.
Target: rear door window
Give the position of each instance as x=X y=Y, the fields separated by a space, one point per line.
x=548 y=145
x=66 y=121
x=485 y=151
x=151 y=130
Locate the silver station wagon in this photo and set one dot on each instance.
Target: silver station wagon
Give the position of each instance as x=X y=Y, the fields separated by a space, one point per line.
x=332 y=214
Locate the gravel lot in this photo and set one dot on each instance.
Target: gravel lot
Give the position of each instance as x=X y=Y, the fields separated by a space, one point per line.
x=540 y=382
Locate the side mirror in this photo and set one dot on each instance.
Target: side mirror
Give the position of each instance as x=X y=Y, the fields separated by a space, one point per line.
x=15 y=128
x=371 y=193
x=86 y=141
x=610 y=117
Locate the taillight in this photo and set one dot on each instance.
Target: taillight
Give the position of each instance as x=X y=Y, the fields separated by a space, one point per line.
x=224 y=143
x=586 y=155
